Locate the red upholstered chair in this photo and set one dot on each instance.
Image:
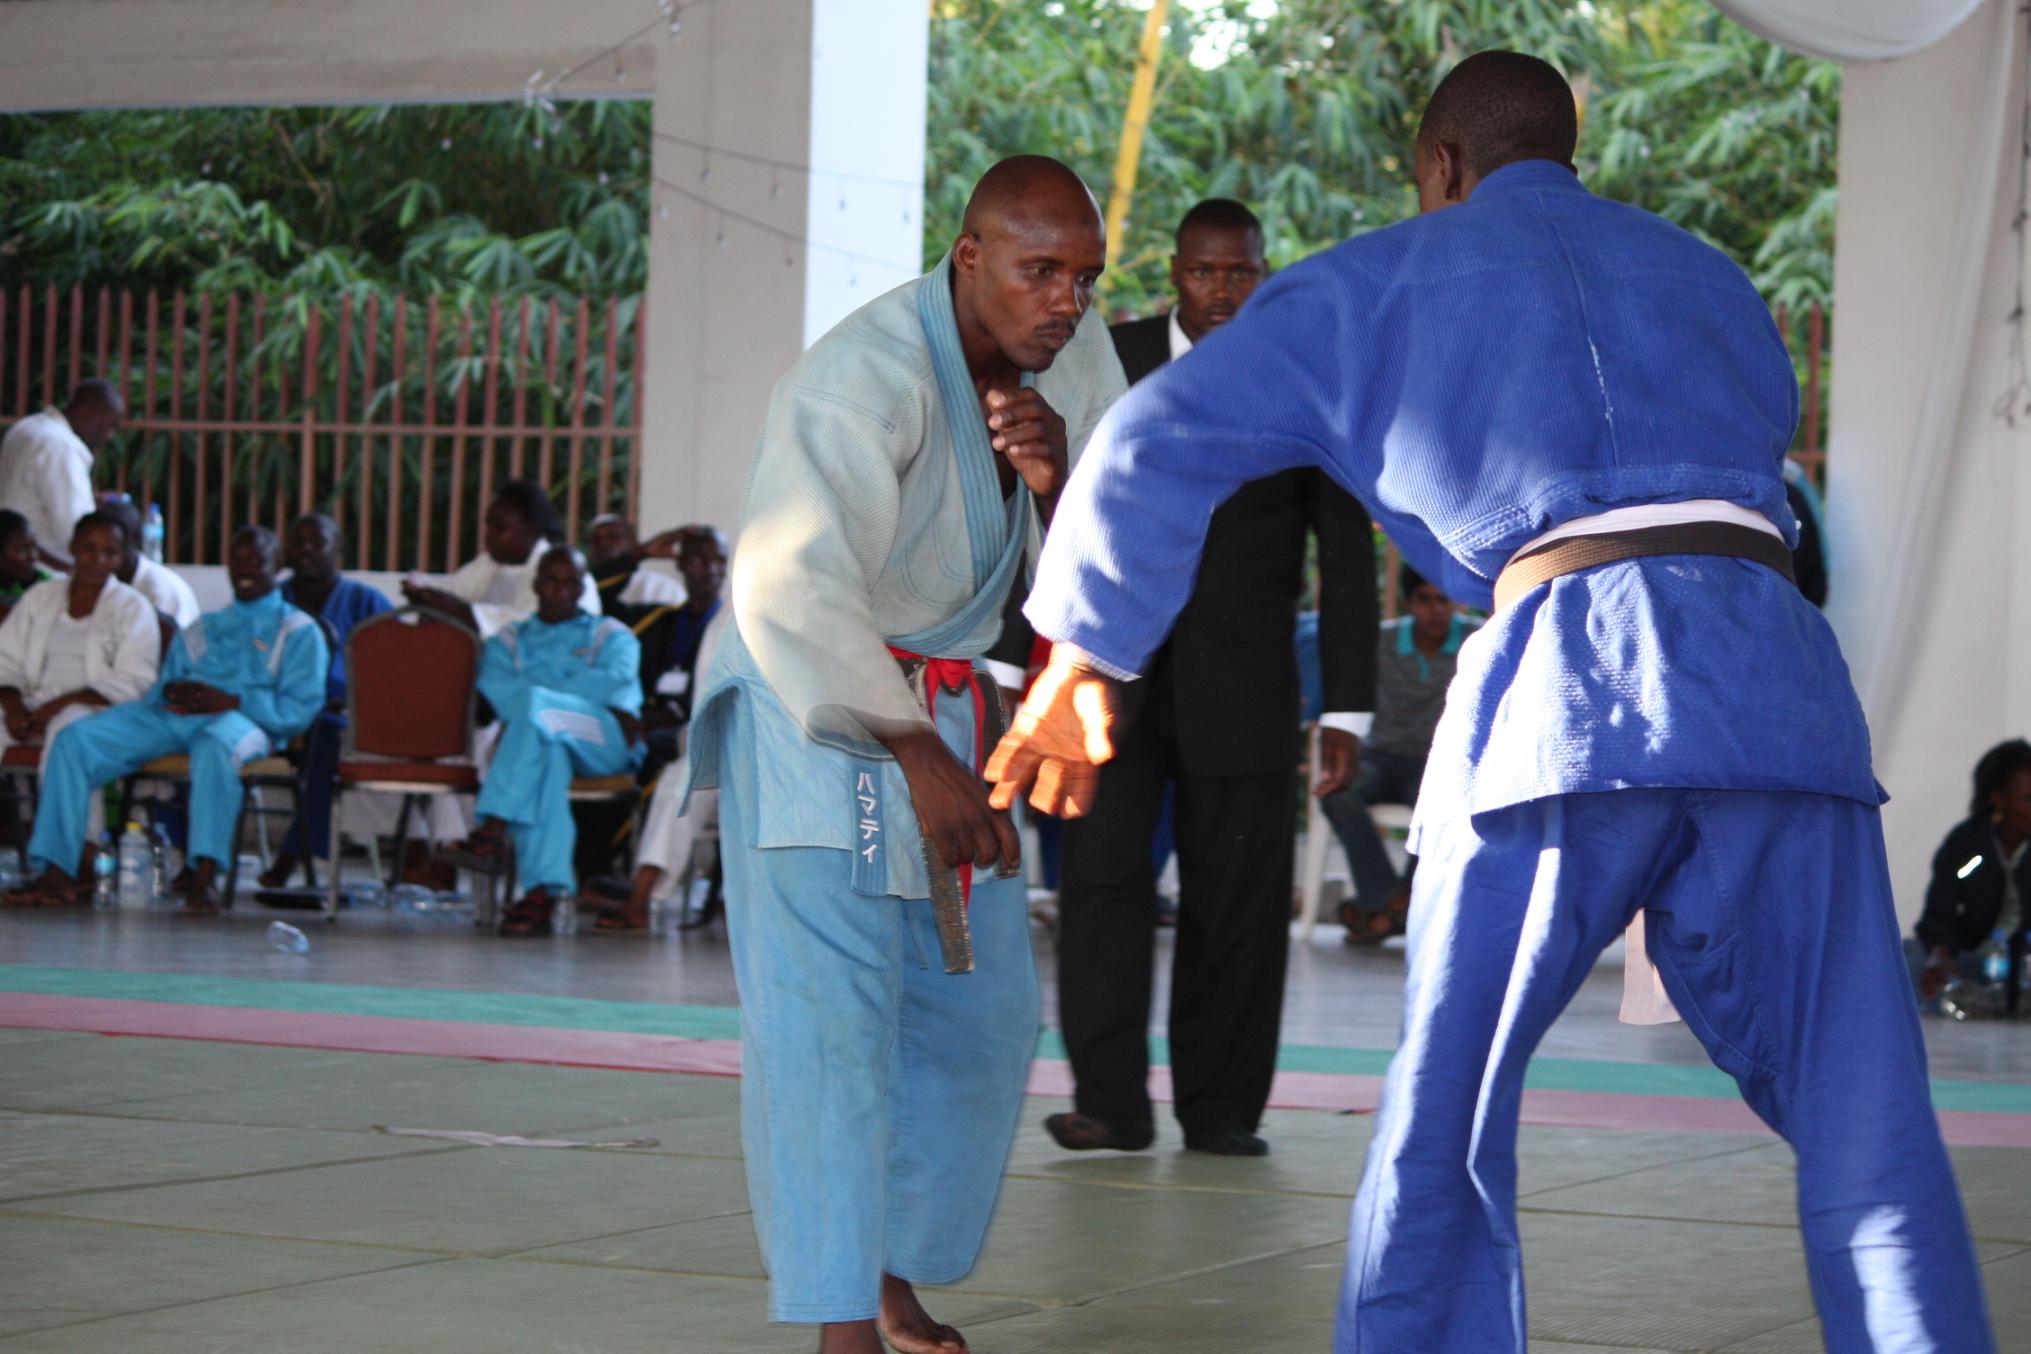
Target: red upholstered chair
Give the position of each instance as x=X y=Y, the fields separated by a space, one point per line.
x=411 y=687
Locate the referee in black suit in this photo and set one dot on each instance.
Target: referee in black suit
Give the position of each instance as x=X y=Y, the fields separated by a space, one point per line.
x=1215 y=715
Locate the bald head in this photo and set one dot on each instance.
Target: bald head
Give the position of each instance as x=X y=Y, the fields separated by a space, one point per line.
x=1023 y=268
x=1494 y=109
x=1027 y=189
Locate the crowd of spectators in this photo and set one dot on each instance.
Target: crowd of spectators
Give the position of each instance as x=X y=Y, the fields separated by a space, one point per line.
x=107 y=664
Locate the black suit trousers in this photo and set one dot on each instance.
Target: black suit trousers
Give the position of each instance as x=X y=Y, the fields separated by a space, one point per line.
x=1234 y=836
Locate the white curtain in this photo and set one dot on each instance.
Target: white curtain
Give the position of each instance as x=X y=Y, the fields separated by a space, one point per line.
x=1896 y=560
x=1851 y=30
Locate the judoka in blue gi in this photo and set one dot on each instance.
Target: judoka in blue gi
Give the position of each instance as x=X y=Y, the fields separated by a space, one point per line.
x=567 y=687
x=316 y=549
x=1671 y=734
x=893 y=498
x=237 y=684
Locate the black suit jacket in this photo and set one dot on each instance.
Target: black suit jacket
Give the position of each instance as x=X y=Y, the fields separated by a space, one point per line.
x=1224 y=684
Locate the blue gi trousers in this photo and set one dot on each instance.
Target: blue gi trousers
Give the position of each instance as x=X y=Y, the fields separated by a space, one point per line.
x=1769 y=917
x=879 y=1093
x=546 y=741
x=117 y=742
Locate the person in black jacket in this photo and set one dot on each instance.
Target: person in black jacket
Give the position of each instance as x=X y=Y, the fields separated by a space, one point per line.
x=1216 y=717
x=1981 y=874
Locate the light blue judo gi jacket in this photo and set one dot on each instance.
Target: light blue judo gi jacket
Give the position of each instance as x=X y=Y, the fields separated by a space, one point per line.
x=1477 y=376
x=879 y=1093
x=555 y=688
x=267 y=652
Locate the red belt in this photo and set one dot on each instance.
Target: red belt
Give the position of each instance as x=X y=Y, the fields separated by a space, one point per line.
x=954 y=674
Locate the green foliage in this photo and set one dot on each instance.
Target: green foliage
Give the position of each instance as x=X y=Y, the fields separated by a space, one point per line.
x=468 y=201
x=299 y=210
x=1308 y=109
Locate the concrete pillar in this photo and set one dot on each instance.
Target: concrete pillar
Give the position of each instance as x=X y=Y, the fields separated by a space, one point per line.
x=789 y=155
x=1930 y=168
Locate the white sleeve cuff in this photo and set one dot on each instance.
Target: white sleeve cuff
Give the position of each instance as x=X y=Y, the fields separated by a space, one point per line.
x=1101 y=665
x=1006 y=675
x=1348 y=722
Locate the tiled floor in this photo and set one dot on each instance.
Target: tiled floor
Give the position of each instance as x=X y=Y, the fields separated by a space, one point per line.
x=172 y=1196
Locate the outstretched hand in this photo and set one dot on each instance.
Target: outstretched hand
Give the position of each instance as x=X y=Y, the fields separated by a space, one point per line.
x=1059 y=739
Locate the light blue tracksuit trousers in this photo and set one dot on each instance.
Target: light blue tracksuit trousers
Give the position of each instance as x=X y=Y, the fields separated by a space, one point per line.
x=879 y=1093
x=117 y=742
x=1769 y=916
x=546 y=740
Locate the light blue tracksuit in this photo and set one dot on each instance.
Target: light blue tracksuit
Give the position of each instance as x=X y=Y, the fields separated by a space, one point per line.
x=267 y=652
x=555 y=688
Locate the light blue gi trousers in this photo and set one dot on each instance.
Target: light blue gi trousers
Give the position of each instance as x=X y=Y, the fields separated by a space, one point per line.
x=549 y=738
x=1770 y=919
x=879 y=1093
x=117 y=742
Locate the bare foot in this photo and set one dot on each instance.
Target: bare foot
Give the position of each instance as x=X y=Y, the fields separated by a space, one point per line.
x=908 y=1328
x=849 y=1337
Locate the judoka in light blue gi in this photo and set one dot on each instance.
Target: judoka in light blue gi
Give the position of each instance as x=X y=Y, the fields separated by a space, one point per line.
x=1673 y=735
x=892 y=501
x=236 y=685
x=316 y=551
x=567 y=687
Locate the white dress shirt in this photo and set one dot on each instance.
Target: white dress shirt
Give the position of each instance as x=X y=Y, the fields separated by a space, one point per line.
x=46 y=476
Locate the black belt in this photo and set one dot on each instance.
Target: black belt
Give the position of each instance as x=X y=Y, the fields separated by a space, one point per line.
x=1570 y=556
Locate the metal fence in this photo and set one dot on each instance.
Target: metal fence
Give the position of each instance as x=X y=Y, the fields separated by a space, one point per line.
x=399 y=417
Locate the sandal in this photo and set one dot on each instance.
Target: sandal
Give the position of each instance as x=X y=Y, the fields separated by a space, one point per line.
x=530 y=917
x=620 y=924
x=50 y=891
x=1368 y=928
x=485 y=852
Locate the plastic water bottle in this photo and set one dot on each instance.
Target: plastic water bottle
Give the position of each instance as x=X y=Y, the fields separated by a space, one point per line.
x=1995 y=956
x=134 y=868
x=564 y=916
x=152 y=533
x=158 y=865
x=104 y=881
x=287 y=938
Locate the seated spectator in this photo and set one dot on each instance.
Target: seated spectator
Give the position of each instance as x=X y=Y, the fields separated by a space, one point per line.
x=77 y=644
x=317 y=550
x=20 y=561
x=616 y=556
x=46 y=463
x=567 y=687
x=1414 y=665
x=670 y=828
x=237 y=684
x=670 y=636
x=673 y=634
x=498 y=587
x=1981 y=874
x=162 y=586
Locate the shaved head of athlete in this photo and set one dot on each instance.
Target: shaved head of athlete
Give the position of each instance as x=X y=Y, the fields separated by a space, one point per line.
x=1023 y=268
x=1493 y=109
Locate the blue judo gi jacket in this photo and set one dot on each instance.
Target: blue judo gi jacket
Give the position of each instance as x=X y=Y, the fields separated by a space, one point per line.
x=1477 y=376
